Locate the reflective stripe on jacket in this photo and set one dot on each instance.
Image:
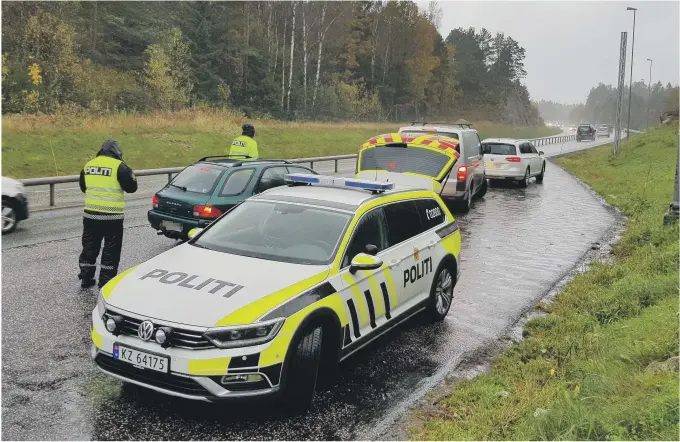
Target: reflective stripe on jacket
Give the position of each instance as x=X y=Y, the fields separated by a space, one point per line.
x=103 y=193
x=244 y=145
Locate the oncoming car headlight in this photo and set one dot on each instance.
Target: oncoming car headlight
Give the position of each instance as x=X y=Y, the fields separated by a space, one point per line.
x=244 y=335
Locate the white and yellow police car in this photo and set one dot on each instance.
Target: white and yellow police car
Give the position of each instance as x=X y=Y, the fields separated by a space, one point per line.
x=287 y=281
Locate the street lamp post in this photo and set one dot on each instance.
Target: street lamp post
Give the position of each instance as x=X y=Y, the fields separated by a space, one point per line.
x=649 y=94
x=632 y=51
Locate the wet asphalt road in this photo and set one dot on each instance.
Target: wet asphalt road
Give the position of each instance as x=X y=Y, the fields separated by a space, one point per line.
x=516 y=244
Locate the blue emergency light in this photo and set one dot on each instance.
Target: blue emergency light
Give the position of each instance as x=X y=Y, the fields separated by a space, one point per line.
x=333 y=181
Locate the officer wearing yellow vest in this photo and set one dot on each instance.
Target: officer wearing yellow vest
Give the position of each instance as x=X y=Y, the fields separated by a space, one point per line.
x=245 y=145
x=103 y=180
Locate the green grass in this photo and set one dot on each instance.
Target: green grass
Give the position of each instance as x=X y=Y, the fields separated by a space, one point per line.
x=60 y=145
x=598 y=365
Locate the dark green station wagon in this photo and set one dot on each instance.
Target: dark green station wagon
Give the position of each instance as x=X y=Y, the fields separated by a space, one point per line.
x=203 y=191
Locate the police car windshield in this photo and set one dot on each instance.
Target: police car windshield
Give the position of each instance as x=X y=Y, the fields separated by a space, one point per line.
x=278 y=232
x=199 y=178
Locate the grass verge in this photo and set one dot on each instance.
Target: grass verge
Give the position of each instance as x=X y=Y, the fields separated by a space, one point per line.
x=37 y=146
x=602 y=364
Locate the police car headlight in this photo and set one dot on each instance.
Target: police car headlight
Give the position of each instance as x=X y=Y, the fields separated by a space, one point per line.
x=101 y=305
x=244 y=335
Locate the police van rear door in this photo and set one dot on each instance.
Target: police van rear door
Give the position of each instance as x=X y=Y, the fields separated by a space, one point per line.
x=399 y=158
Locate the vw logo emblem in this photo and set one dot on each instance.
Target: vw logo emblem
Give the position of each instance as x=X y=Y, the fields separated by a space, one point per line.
x=145 y=330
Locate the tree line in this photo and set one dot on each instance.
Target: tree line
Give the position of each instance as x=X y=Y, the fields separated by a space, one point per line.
x=320 y=60
x=600 y=107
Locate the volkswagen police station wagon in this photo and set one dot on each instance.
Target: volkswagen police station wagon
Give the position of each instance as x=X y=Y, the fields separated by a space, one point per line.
x=290 y=280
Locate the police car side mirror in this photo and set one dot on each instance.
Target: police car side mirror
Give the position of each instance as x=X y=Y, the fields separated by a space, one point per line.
x=364 y=261
x=193 y=232
x=541 y=153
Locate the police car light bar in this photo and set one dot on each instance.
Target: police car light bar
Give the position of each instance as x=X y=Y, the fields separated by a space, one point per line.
x=332 y=181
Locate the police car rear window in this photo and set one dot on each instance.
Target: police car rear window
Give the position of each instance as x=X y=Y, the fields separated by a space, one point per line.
x=198 y=178
x=282 y=232
x=404 y=159
x=499 y=149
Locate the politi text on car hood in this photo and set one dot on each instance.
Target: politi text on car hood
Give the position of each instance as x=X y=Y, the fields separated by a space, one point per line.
x=194 y=286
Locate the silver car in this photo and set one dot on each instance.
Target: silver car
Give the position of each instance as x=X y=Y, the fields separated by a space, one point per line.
x=603 y=131
x=510 y=159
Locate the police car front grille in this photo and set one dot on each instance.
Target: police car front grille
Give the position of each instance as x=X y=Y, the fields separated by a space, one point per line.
x=180 y=338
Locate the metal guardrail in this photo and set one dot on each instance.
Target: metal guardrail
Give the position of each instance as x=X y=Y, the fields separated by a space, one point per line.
x=170 y=171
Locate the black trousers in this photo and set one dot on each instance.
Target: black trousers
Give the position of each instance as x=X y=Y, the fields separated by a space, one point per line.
x=94 y=231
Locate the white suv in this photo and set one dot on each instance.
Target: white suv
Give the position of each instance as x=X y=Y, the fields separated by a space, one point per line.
x=466 y=179
x=509 y=159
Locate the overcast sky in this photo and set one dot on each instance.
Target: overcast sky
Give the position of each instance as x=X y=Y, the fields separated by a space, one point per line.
x=571 y=46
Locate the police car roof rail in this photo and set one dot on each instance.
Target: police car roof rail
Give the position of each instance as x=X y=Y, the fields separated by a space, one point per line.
x=462 y=123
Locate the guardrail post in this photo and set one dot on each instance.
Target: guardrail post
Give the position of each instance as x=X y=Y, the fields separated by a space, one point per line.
x=169 y=177
x=336 y=166
x=52 y=195
x=311 y=164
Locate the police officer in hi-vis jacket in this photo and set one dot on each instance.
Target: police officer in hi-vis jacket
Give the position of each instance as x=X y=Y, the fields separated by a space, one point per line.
x=245 y=145
x=103 y=180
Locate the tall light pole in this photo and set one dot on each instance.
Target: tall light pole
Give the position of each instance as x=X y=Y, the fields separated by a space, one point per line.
x=632 y=51
x=649 y=95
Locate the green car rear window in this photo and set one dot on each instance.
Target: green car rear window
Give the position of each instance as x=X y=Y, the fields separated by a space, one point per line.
x=198 y=178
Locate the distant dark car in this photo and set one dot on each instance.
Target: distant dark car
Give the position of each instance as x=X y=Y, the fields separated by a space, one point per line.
x=585 y=132
x=210 y=187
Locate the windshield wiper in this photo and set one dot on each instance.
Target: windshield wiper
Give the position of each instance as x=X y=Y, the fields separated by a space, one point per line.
x=179 y=187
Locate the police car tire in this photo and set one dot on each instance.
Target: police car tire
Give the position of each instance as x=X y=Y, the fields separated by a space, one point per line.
x=466 y=204
x=483 y=190
x=431 y=309
x=302 y=371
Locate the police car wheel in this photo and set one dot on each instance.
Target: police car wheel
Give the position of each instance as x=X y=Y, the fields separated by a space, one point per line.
x=302 y=371
x=466 y=204
x=441 y=292
x=484 y=188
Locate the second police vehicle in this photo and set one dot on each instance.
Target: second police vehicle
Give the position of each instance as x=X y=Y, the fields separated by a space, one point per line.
x=295 y=278
x=447 y=157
